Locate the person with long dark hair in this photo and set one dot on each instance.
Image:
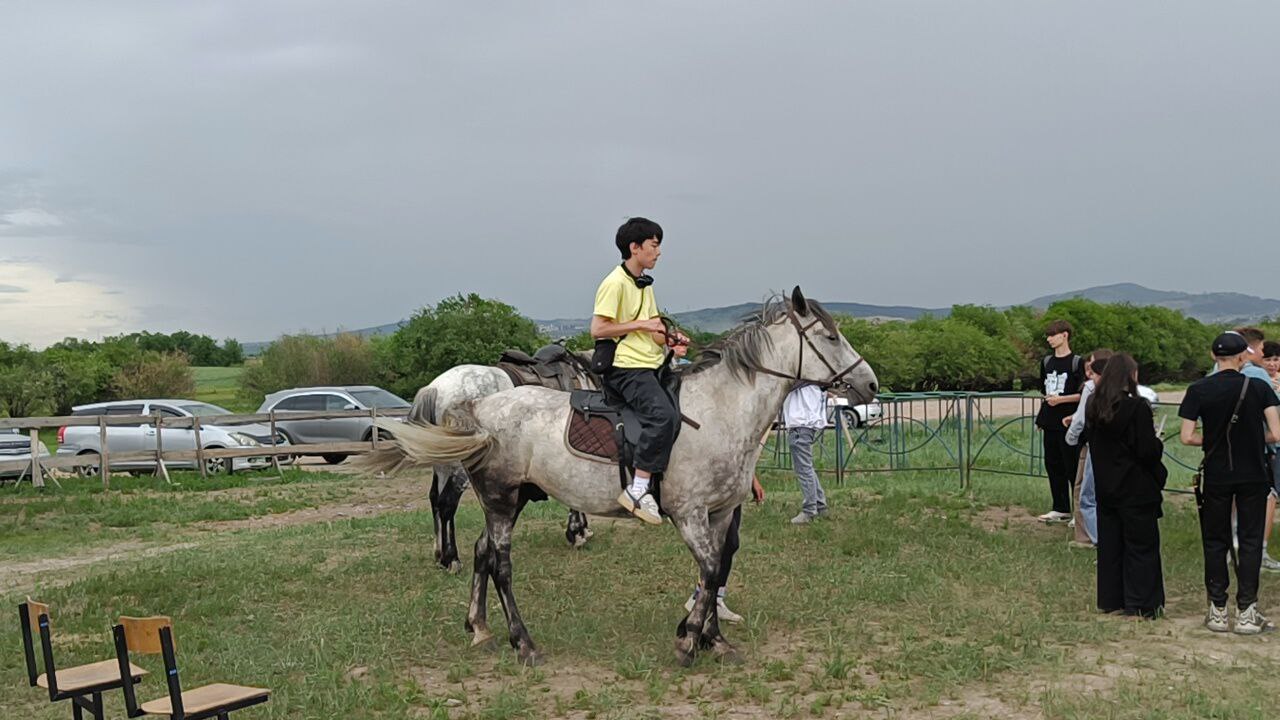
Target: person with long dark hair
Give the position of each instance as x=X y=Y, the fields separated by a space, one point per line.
x=1129 y=478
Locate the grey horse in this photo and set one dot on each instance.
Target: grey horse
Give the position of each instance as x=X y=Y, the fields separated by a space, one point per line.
x=512 y=443
x=453 y=387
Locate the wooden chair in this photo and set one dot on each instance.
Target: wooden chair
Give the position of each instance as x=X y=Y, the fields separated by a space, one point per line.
x=82 y=685
x=155 y=635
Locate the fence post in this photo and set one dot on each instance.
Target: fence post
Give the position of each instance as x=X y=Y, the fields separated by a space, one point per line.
x=104 y=456
x=195 y=427
x=161 y=470
x=37 y=475
x=373 y=429
x=275 y=459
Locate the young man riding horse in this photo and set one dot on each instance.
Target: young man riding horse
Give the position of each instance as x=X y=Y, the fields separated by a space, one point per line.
x=626 y=315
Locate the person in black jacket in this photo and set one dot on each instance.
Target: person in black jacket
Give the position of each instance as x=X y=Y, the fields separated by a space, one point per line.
x=1129 y=479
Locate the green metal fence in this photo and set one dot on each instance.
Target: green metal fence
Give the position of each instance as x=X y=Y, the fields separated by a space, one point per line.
x=955 y=433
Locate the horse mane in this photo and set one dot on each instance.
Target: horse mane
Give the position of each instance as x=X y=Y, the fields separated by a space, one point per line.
x=743 y=348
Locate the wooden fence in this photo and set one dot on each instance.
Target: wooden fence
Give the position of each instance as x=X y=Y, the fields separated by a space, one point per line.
x=159 y=456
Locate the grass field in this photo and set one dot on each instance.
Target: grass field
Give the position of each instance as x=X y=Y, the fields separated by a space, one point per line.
x=221 y=386
x=913 y=600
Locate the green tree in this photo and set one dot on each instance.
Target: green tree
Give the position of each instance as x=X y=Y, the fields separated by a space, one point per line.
x=306 y=360
x=464 y=329
x=155 y=374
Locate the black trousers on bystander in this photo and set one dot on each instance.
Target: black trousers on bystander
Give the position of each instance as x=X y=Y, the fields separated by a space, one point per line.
x=1130 y=577
x=1215 y=533
x=1060 y=462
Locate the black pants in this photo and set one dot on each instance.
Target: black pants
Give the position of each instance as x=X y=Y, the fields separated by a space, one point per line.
x=1060 y=462
x=1129 y=573
x=659 y=418
x=1215 y=533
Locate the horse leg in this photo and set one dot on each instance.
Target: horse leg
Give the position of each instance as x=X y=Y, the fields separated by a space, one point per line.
x=444 y=506
x=477 y=614
x=437 y=526
x=576 y=530
x=711 y=636
x=500 y=527
x=704 y=540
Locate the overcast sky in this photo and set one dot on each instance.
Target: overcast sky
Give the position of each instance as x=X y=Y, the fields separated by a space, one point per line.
x=252 y=168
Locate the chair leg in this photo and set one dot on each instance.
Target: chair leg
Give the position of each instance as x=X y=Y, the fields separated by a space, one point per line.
x=97 y=707
x=75 y=710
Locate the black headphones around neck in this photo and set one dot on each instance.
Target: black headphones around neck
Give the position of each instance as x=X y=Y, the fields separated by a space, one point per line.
x=642 y=281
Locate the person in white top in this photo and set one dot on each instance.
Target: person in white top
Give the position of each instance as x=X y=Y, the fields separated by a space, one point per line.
x=804 y=414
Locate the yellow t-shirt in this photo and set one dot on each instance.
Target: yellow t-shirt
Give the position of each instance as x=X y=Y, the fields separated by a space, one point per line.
x=621 y=301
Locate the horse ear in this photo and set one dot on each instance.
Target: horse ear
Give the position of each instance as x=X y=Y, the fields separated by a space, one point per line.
x=798 y=303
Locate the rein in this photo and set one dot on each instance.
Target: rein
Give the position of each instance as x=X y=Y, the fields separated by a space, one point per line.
x=837 y=377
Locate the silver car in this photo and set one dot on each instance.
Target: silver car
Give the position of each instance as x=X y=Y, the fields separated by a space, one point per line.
x=15 y=445
x=330 y=399
x=84 y=440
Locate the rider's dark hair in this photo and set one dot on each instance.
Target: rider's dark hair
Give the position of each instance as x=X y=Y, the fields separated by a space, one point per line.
x=635 y=231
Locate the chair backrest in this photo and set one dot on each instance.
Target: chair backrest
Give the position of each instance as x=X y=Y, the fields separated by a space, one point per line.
x=149 y=636
x=29 y=614
x=142 y=635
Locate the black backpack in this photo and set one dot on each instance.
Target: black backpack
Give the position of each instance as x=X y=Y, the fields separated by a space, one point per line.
x=1075 y=363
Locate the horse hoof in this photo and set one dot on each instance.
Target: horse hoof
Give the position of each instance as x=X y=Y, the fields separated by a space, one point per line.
x=530 y=658
x=684 y=652
x=484 y=641
x=727 y=654
x=580 y=541
x=454 y=567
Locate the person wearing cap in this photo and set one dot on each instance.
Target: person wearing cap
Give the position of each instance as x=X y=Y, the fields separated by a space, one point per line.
x=1235 y=473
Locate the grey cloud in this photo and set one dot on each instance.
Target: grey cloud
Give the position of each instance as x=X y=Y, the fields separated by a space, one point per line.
x=340 y=165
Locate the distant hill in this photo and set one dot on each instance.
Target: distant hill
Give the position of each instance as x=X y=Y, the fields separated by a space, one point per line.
x=1205 y=307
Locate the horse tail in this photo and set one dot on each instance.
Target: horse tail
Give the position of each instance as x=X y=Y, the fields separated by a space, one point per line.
x=419 y=446
x=423 y=411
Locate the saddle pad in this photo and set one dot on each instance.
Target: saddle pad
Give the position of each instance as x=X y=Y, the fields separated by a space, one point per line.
x=592 y=439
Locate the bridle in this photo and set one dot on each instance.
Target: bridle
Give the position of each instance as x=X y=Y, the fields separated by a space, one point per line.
x=837 y=377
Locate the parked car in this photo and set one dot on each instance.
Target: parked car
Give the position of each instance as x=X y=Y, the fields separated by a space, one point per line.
x=330 y=399
x=16 y=445
x=84 y=440
x=861 y=414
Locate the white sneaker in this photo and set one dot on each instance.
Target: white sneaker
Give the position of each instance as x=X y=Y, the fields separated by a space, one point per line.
x=1251 y=622
x=1217 y=620
x=722 y=610
x=1053 y=517
x=644 y=508
x=1071 y=523
x=1270 y=563
x=802 y=519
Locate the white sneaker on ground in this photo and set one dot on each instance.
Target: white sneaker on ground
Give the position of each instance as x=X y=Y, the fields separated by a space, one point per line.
x=643 y=507
x=722 y=610
x=1216 y=619
x=1251 y=622
x=1053 y=517
x=802 y=519
x=1081 y=545
x=1270 y=563
x=1071 y=523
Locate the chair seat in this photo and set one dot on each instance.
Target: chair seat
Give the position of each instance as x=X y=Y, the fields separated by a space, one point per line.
x=208 y=697
x=92 y=675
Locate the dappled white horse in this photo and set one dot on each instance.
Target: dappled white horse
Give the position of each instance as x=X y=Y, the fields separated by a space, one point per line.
x=513 y=444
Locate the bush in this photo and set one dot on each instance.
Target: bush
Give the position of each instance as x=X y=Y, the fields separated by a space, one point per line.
x=305 y=360
x=155 y=375
x=460 y=330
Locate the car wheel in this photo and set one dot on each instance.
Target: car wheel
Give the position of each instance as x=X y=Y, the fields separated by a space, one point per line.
x=334 y=458
x=216 y=466
x=88 y=470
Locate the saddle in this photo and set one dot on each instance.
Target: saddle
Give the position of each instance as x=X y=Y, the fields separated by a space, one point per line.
x=552 y=366
x=601 y=428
